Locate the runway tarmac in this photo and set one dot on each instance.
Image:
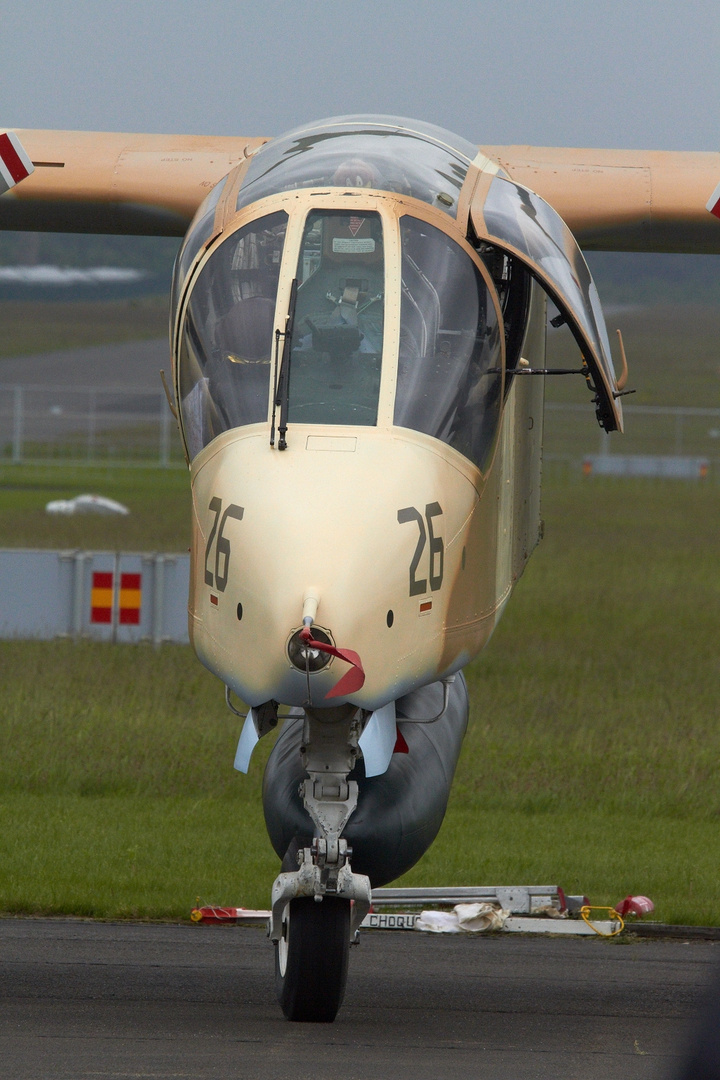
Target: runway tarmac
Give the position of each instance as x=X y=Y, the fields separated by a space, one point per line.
x=133 y=365
x=81 y=999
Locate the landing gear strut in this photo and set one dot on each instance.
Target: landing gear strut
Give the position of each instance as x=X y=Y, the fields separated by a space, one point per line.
x=317 y=909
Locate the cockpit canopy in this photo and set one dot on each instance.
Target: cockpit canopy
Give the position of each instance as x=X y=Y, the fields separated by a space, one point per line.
x=386 y=153
x=447 y=346
x=362 y=213
x=224 y=362
x=337 y=346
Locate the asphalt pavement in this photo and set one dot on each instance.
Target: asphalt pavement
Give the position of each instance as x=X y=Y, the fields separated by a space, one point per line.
x=133 y=365
x=81 y=999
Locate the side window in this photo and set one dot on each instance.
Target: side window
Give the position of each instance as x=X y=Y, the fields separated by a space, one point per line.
x=449 y=372
x=225 y=353
x=199 y=232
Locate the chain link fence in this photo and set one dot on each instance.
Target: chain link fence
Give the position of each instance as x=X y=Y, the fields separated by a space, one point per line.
x=82 y=425
x=572 y=434
x=47 y=424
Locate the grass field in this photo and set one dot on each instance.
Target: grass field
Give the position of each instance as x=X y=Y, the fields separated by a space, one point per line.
x=591 y=759
x=158 y=501
x=592 y=755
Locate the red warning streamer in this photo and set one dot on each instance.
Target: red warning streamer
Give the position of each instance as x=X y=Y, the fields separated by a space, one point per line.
x=353 y=680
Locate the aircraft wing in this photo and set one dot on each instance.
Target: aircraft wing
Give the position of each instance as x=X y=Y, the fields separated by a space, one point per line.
x=624 y=200
x=100 y=182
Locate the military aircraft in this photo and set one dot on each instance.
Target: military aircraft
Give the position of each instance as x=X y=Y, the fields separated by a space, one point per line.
x=358 y=335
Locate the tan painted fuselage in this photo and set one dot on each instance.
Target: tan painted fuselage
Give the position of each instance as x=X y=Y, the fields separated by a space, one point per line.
x=323 y=517
x=409 y=549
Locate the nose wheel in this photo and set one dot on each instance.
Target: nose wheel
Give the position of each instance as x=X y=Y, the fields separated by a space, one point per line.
x=311 y=958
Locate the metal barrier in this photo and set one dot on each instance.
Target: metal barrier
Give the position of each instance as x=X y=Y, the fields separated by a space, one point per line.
x=103 y=595
x=647 y=465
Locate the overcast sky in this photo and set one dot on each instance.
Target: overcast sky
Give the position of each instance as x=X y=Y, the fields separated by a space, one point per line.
x=613 y=73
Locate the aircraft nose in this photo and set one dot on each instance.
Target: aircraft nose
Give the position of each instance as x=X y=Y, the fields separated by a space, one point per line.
x=328 y=542
x=311 y=649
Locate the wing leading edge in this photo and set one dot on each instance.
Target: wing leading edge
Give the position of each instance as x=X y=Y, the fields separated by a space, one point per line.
x=100 y=182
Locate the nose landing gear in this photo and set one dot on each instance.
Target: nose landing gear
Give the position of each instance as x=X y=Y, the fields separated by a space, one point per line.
x=318 y=908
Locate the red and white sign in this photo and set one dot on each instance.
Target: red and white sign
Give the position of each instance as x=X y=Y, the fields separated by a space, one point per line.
x=15 y=165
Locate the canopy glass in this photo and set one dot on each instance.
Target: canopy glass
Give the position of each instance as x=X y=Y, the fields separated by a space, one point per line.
x=227 y=341
x=450 y=364
x=338 y=333
x=384 y=152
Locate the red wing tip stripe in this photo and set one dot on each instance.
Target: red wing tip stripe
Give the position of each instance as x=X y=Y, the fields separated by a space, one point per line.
x=713 y=203
x=15 y=165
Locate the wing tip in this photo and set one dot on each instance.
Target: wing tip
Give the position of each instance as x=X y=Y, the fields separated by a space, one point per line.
x=15 y=165
x=713 y=203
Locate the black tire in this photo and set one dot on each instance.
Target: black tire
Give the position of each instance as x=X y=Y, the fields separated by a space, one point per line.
x=311 y=961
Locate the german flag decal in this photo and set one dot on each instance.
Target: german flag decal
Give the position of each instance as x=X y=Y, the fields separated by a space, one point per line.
x=130 y=599
x=101 y=597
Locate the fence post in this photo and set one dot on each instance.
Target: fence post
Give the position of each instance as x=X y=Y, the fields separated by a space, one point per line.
x=165 y=417
x=18 y=418
x=92 y=423
x=678 y=433
x=158 y=600
x=78 y=593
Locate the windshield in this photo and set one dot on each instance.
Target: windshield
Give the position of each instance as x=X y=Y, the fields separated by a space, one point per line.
x=224 y=362
x=450 y=365
x=405 y=156
x=338 y=333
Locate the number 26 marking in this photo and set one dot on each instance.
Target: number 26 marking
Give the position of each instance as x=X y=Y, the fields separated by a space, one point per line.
x=437 y=547
x=222 y=547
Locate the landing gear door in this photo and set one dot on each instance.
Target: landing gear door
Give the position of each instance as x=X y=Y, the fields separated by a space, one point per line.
x=516 y=220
